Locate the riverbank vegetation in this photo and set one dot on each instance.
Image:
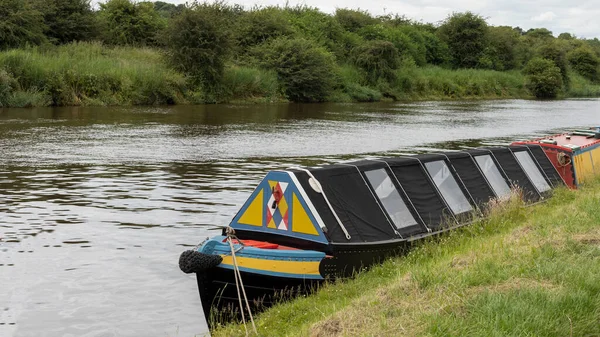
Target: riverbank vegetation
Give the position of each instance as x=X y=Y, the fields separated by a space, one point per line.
x=525 y=270
x=64 y=52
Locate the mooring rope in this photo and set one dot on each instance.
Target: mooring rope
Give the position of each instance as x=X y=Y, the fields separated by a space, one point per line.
x=238 y=281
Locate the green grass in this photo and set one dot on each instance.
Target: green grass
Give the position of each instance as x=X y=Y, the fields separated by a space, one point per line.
x=524 y=271
x=92 y=74
x=439 y=83
x=89 y=73
x=581 y=87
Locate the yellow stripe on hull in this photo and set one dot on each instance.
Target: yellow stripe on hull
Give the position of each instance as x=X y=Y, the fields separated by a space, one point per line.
x=275 y=266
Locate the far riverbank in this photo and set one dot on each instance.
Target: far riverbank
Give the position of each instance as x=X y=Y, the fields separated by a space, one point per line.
x=91 y=74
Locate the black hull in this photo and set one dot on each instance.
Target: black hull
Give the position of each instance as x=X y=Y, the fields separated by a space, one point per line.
x=220 y=300
x=219 y=296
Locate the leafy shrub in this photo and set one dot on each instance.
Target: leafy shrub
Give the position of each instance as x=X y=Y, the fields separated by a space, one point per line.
x=466 y=37
x=260 y=25
x=354 y=20
x=304 y=70
x=197 y=44
x=124 y=22
x=543 y=78
x=68 y=20
x=7 y=85
x=320 y=27
x=555 y=51
x=585 y=62
x=379 y=59
x=20 y=24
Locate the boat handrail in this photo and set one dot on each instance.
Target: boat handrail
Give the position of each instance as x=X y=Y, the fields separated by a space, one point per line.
x=322 y=191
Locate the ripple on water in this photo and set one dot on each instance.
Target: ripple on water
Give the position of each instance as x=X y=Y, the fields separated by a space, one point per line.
x=97 y=203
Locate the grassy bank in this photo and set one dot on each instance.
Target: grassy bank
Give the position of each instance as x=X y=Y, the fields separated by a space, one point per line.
x=92 y=74
x=525 y=271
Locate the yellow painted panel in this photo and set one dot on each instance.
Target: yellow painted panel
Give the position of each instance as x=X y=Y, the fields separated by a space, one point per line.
x=271 y=224
x=300 y=221
x=253 y=215
x=583 y=167
x=279 y=266
x=283 y=206
x=596 y=160
x=272 y=184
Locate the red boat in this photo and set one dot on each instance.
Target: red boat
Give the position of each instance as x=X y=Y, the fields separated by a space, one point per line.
x=576 y=154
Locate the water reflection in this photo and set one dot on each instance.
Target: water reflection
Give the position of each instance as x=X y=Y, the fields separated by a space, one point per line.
x=97 y=203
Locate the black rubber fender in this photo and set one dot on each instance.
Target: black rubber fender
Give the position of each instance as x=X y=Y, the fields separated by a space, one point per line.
x=192 y=261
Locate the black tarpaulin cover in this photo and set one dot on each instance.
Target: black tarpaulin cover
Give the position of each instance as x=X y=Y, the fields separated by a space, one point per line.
x=471 y=176
x=353 y=203
x=421 y=191
x=514 y=172
x=405 y=227
x=546 y=164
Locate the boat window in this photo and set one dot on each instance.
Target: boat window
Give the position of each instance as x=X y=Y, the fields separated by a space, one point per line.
x=390 y=198
x=492 y=174
x=532 y=171
x=445 y=182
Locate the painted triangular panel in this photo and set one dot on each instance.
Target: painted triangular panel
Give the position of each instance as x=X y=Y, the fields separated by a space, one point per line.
x=301 y=222
x=253 y=215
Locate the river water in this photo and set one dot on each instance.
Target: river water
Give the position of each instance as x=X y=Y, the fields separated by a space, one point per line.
x=96 y=204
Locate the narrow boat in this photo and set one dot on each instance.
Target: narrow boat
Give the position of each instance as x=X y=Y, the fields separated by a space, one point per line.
x=303 y=226
x=576 y=154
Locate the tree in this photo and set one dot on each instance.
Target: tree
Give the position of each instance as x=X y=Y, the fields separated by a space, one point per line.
x=539 y=33
x=304 y=70
x=379 y=59
x=585 y=62
x=466 y=37
x=167 y=10
x=543 y=78
x=128 y=23
x=354 y=20
x=20 y=24
x=566 y=36
x=555 y=51
x=502 y=49
x=198 y=43
x=68 y=20
x=260 y=25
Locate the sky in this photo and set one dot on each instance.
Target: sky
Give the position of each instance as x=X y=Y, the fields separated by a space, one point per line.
x=578 y=17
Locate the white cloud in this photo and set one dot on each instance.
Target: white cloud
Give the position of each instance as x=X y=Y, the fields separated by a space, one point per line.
x=544 y=17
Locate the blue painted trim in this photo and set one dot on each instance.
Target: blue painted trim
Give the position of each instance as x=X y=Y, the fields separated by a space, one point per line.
x=216 y=246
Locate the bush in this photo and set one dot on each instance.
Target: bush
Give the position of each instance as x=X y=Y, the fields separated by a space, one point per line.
x=68 y=20
x=260 y=25
x=304 y=70
x=124 y=22
x=320 y=27
x=379 y=59
x=466 y=37
x=7 y=85
x=354 y=20
x=543 y=78
x=555 y=51
x=197 y=44
x=20 y=24
x=585 y=62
